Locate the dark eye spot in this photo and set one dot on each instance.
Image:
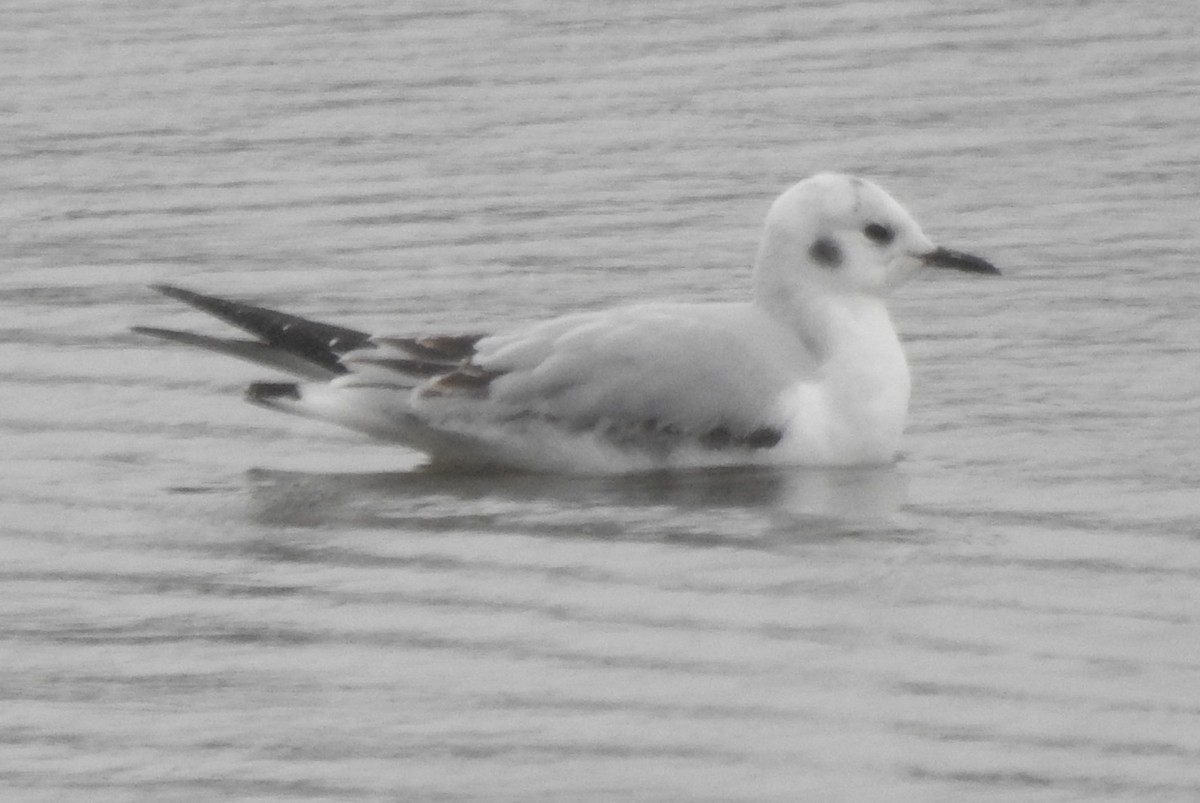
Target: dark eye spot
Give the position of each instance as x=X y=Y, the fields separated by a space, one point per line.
x=826 y=252
x=879 y=233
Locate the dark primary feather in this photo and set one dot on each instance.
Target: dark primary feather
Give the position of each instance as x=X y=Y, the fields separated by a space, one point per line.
x=254 y=351
x=445 y=348
x=444 y=359
x=320 y=344
x=314 y=350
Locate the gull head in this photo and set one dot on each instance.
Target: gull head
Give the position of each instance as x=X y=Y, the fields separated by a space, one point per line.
x=834 y=234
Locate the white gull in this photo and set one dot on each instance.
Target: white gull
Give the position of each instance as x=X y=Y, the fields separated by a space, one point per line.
x=809 y=371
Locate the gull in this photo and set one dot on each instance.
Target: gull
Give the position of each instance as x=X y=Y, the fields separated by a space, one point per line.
x=808 y=371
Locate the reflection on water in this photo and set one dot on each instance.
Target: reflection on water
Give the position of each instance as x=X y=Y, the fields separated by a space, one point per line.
x=698 y=504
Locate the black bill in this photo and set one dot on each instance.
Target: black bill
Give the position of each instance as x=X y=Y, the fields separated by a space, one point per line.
x=959 y=260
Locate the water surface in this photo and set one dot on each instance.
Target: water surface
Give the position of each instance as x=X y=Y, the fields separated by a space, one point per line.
x=204 y=601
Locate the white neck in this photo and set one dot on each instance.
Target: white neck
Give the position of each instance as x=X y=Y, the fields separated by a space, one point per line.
x=862 y=386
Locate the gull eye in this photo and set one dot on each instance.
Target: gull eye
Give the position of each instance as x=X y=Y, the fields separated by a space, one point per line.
x=879 y=233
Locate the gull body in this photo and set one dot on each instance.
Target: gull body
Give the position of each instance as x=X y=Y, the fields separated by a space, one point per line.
x=809 y=370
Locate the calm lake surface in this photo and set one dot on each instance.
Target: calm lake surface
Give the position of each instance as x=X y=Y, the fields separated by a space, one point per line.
x=200 y=600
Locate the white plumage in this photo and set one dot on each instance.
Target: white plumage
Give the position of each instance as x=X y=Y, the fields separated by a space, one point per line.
x=808 y=371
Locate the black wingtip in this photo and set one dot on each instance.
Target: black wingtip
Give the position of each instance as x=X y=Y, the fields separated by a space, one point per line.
x=320 y=344
x=173 y=291
x=223 y=308
x=163 y=334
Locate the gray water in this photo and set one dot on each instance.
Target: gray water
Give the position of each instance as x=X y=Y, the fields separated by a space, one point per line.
x=203 y=601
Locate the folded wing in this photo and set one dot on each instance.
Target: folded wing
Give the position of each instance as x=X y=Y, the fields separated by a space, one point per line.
x=646 y=376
